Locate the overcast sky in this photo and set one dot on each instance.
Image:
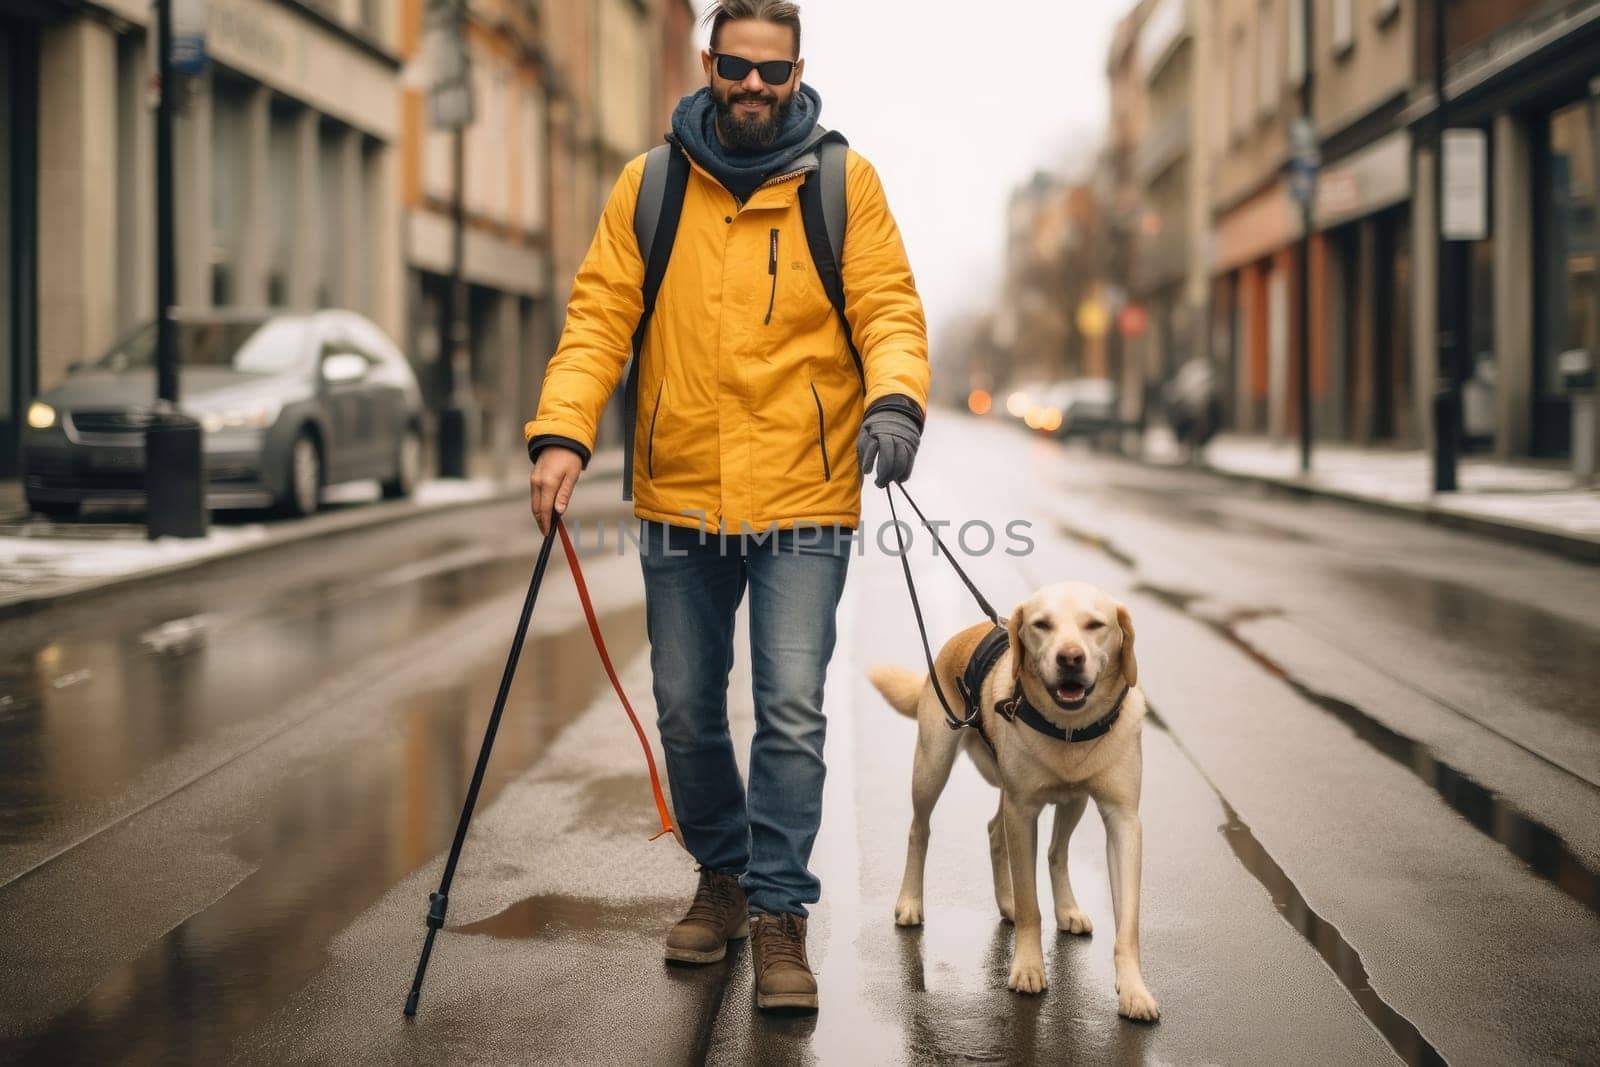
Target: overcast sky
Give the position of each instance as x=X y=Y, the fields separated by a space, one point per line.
x=955 y=103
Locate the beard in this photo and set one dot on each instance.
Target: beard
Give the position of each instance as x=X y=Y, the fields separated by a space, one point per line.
x=749 y=133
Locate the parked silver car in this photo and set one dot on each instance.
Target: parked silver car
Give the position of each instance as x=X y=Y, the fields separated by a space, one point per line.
x=288 y=403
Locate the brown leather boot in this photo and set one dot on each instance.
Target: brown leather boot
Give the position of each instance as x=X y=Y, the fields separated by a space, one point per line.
x=783 y=975
x=718 y=913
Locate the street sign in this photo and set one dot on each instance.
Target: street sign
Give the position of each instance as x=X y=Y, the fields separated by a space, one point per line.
x=1304 y=159
x=1093 y=319
x=188 y=52
x=1466 y=185
x=1133 y=320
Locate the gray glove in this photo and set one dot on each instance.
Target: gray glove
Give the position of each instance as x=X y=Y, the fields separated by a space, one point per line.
x=889 y=436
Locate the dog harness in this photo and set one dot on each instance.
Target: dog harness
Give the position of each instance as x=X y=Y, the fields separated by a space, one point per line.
x=984 y=657
x=1018 y=707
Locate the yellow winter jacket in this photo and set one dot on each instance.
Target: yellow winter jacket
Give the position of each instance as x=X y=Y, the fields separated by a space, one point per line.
x=749 y=401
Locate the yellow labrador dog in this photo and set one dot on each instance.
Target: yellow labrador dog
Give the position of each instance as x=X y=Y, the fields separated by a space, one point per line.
x=1061 y=715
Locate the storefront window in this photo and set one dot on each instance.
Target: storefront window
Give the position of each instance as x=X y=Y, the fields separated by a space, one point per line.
x=7 y=345
x=1572 y=301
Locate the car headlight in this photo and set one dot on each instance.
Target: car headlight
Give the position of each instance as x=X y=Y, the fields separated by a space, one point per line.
x=41 y=416
x=258 y=417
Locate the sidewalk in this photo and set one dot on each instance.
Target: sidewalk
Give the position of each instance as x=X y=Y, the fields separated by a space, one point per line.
x=1526 y=503
x=46 y=562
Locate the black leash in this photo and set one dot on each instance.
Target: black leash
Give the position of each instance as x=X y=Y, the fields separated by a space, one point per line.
x=973 y=717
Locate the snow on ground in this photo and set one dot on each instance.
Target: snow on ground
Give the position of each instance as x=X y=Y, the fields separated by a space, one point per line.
x=44 y=558
x=1516 y=493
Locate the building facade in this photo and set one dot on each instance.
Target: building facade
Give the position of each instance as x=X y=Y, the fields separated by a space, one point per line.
x=506 y=194
x=285 y=162
x=1256 y=225
x=308 y=176
x=1169 y=275
x=1366 y=386
x=1525 y=73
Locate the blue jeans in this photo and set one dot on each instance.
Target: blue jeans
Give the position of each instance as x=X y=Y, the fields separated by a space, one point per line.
x=693 y=583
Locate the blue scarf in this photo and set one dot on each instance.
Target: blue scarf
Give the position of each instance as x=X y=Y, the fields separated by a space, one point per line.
x=694 y=124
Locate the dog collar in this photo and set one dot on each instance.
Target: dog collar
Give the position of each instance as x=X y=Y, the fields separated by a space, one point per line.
x=1019 y=708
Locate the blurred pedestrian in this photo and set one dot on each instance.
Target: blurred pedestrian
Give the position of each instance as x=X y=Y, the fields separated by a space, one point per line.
x=754 y=430
x=1193 y=404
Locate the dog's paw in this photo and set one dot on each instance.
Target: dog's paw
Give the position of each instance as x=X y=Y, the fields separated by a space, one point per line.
x=1135 y=1002
x=1073 y=921
x=1027 y=976
x=1008 y=910
x=908 y=913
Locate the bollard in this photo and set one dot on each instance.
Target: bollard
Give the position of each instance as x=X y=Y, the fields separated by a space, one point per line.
x=1577 y=371
x=1445 y=410
x=174 y=476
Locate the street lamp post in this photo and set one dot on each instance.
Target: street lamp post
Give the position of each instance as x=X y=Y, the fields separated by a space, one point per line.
x=450 y=104
x=453 y=430
x=174 y=473
x=1450 y=281
x=1305 y=159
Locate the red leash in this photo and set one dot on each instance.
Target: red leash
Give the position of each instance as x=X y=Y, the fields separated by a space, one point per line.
x=605 y=658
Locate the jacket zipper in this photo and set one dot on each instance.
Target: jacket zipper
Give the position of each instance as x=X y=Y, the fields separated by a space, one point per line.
x=650 y=450
x=822 y=435
x=772 y=269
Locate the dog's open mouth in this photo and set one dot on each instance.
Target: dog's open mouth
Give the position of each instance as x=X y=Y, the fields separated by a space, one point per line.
x=1070 y=696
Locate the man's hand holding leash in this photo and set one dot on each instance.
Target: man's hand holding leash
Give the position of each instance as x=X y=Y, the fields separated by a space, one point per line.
x=555 y=475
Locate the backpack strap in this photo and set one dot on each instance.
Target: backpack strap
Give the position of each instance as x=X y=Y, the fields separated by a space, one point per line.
x=655 y=226
x=824 y=208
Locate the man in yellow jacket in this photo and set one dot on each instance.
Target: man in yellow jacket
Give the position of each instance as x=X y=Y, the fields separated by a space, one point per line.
x=753 y=431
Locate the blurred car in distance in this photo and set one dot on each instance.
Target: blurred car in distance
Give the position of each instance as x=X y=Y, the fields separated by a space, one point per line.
x=288 y=402
x=1079 y=407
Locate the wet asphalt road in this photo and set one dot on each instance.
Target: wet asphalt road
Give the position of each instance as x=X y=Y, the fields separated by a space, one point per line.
x=1371 y=788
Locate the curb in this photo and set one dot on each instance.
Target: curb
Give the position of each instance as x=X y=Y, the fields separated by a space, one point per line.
x=367 y=517
x=1572 y=546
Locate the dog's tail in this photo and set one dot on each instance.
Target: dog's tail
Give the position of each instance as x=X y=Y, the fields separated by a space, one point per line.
x=901 y=687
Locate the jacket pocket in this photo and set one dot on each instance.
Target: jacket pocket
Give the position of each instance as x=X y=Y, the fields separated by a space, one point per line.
x=822 y=435
x=650 y=444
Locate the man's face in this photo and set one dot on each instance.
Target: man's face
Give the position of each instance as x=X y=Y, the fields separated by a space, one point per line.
x=750 y=112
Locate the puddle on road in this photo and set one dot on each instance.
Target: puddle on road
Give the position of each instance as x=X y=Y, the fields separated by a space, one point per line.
x=327 y=843
x=553 y=915
x=1340 y=956
x=1553 y=657
x=1192 y=508
x=1544 y=851
x=613 y=803
x=133 y=704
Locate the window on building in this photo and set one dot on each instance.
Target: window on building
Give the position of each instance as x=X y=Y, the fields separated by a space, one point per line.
x=1269 y=43
x=1239 y=65
x=283 y=156
x=135 y=234
x=500 y=138
x=230 y=179
x=1343 y=36
x=330 y=210
x=8 y=402
x=1297 y=43
x=1571 y=242
x=532 y=147
x=374 y=160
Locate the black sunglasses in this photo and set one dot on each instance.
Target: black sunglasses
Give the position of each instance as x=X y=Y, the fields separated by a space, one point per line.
x=737 y=69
